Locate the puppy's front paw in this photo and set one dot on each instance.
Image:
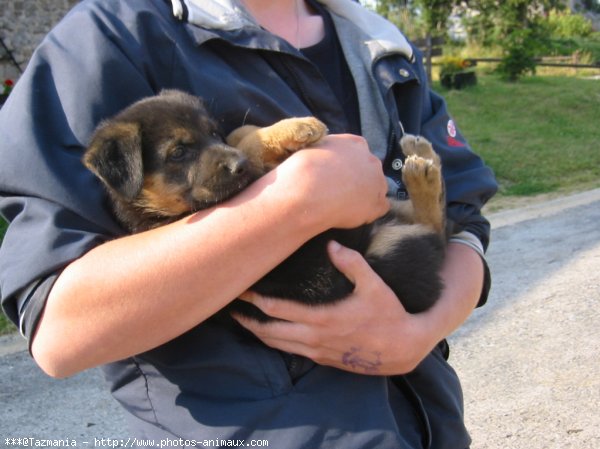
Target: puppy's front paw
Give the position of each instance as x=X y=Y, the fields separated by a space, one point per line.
x=418 y=146
x=423 y=180
x=273 y=144
x=303 y=132
x=421 y=174
x=422 y=168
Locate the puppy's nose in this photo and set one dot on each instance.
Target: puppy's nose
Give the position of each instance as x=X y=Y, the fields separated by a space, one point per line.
x=236 y=166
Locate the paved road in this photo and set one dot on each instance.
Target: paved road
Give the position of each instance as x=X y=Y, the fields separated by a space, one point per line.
x=529 y=359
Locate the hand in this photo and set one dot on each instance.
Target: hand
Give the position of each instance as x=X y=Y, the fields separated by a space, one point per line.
x=369 y=332
x=340 y=182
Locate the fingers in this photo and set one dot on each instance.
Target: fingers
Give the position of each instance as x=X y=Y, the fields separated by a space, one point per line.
x=349 y=262
x=369 y=289
x=357 y=179
x=282 y=309
x=287 y=332
x=361 y=333
x=283 y=335
x=353 y=265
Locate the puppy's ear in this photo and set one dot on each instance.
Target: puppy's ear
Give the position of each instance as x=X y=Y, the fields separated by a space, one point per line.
x=115 y=156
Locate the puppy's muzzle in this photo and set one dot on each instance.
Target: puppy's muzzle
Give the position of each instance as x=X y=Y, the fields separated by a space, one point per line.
x=222 y=172
x=235 y=166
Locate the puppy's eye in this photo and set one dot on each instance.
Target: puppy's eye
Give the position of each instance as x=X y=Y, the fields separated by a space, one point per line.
x=178 y=154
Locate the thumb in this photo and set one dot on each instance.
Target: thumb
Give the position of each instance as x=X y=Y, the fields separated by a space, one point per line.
x=367 y=282
x=350 y=263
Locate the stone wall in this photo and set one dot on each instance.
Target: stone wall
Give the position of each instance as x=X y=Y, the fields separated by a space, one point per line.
x=23 y=24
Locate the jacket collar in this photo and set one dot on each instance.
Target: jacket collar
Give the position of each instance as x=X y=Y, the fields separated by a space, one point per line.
x=380 y=35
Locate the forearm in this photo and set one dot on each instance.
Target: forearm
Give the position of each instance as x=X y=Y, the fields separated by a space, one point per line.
x=135 y=293
x=463 y=274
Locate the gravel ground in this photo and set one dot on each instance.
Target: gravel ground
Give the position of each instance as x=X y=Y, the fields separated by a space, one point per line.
x=529 y=359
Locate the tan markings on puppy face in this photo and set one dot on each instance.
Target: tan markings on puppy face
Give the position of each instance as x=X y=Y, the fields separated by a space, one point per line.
x=385 y=237
x=179 y=135
x=162 y=198
x=168 y=146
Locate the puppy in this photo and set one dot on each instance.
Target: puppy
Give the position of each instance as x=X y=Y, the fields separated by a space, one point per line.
x=163 y=158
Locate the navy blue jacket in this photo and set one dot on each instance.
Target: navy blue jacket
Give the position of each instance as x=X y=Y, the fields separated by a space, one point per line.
x=105 y=55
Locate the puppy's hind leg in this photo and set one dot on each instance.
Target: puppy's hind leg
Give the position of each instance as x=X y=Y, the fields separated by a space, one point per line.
x=422 y=175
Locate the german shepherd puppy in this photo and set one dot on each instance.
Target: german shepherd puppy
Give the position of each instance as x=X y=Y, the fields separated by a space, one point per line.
x=163 y=158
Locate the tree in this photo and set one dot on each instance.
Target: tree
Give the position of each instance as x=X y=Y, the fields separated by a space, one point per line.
x=522 y=35
x=514 y=25
x=402 y=13
x=589 y=5
x=386 y=7
x=433 y=15
x=480 y=18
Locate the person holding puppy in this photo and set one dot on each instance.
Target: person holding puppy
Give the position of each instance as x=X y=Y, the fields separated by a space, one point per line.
x=360 y=373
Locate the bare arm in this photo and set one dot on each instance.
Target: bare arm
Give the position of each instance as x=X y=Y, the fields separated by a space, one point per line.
x=371 y=325
x=135 y=293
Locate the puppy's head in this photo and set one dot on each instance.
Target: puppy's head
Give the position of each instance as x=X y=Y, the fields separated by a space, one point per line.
x=163 y=157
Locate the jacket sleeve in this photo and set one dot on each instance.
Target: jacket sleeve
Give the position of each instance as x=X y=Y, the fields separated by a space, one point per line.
x=88 y=68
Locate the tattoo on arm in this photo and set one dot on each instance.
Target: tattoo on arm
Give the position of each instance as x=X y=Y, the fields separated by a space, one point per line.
x=357 y=359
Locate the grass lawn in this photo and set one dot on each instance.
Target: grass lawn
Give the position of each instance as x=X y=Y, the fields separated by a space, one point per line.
x=540 y=135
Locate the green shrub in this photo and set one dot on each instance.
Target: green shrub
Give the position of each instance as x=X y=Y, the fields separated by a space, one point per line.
x=590 y=45
x=519 y=55
x=565 y=24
